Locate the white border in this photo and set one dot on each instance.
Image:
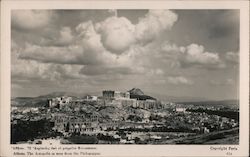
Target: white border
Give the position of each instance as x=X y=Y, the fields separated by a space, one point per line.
x=132 y=150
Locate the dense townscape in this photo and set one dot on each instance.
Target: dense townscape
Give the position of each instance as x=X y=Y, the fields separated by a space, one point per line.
x=123 y=118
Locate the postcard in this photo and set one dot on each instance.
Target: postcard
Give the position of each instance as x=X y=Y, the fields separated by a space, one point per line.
x=124 y=78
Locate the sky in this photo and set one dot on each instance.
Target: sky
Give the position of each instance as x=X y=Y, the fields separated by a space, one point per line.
x=192 y=53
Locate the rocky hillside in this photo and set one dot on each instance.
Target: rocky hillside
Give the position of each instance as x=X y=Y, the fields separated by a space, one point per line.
x=138 y=94
x=136 y=91
x=114 y=113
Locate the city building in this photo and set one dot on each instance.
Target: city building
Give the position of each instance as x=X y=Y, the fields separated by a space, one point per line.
x=72 y=124
x=59 y=101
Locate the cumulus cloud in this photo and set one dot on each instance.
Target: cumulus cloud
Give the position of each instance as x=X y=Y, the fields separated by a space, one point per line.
x=196 y=54
x=101 y=42
x=117 y=33
x=168 y=47
x=179 y=80
x=86 y=49
x=39 y=63
x=109 y=51
x=30 y=69
x=30 y=19
x=35 y=70
x=191 y=55
x=53 y=54
x=88 y=38
x=74 y=54
x=154 y=23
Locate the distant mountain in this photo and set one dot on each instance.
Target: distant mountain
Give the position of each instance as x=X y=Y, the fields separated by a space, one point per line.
x=216 y=103
x=37 y=101
x=43 y=99
x=57 y=94
x=170 y=98
x=28 y=102
x=194 y=100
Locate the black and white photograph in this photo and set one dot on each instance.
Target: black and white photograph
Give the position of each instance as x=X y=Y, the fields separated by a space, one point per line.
x=106 y=78
x=125 y=76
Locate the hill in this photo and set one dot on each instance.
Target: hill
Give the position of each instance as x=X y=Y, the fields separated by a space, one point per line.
x=29 y=102
x=42 y=100
x=136 y=91
x=138 y=94
x=38 y=101
x=58 y=94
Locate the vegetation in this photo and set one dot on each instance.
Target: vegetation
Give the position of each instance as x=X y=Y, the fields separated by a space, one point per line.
x=201 y=139
x=160 y=129
x=30 y=130
x=155 y=117
x=134 y=118
x=106 y=138
x=83 y=139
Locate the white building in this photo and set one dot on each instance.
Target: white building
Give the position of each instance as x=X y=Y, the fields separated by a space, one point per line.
x=59 y=101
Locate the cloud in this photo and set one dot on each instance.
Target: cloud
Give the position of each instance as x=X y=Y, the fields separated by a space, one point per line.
x=171 y=48
x=226 y=82
x=105 y=70
x=33 y=70
x=179 y=80
x=30 y=19
x=153 y=72
x=193 y=55
x=196 y=54
x=74 y=54
x=114 y=50
x=42 y=71
x=87 y=48
x=117 y=34
x=110 y=41
x=232 y=57
x=60 y=37
x=51 y=54
x=153 y=24
x=65 y=37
